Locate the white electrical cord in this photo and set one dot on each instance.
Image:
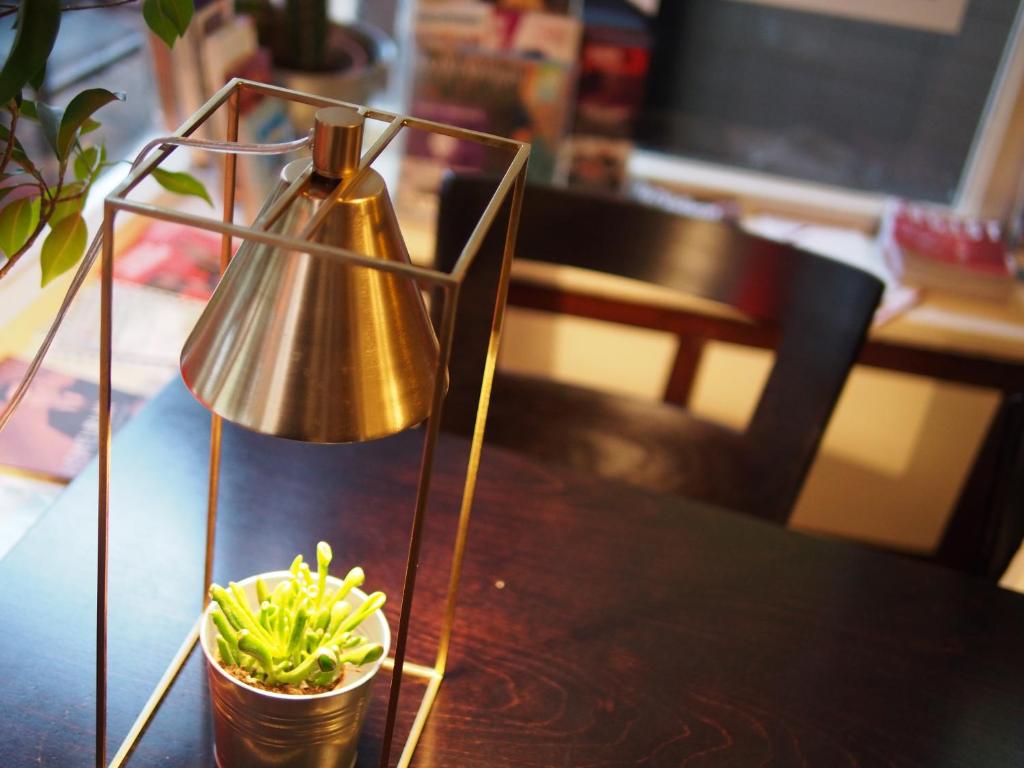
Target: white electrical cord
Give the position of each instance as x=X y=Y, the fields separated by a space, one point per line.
x=226 y=147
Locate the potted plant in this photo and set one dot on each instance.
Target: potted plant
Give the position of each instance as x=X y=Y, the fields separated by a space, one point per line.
x=290 y=676
x=42 y=198
x=314 y=54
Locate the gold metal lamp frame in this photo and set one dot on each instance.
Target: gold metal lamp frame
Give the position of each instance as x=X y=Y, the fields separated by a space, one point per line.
x=449 y=283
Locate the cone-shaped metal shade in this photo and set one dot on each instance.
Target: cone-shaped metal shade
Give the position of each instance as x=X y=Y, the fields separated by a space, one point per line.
x=308 y=348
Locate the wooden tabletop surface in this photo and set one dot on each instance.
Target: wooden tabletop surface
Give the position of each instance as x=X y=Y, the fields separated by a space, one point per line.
x=598 y=625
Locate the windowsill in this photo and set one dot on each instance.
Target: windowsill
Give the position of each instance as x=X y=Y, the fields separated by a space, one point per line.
x=761 y=192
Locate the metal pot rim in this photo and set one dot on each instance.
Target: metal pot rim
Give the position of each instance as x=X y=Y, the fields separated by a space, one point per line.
x=277 y=576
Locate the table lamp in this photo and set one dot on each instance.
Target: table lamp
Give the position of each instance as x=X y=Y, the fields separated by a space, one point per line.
x=300 y=346
x=317 y=332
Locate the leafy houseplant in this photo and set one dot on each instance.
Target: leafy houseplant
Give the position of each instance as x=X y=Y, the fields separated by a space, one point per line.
x=289 y=673
x=34 y=202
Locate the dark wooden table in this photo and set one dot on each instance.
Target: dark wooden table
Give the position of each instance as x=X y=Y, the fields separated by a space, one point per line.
x=598 y=625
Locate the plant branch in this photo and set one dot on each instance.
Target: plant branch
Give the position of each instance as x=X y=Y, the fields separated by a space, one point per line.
x=44 y=194
x=29 y=184
x=9 y=150
x=9 y=264
x=13 y=259
x=75 y=196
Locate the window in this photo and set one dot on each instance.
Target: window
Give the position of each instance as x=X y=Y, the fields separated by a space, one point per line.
x=877 y=106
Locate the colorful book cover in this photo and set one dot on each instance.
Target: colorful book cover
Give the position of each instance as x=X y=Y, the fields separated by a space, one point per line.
x=505 y=94
x=150 y=326
x=549 y=6
x=596 y=162
x=492 y=69
x=453 y=23
x=547 y=36
x=613 y=75
x=177 y=258
x=931 y=247
x=54 y=432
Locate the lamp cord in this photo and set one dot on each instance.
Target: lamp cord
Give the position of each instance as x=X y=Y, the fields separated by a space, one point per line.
x=225 y=147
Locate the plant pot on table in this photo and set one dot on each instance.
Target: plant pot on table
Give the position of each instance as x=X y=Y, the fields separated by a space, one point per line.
x=348 y=62
x=256 y=728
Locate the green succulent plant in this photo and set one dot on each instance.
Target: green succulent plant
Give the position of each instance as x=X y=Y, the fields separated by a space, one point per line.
x=302 y=633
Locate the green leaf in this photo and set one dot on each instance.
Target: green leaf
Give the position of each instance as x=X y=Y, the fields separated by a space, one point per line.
x=89 y=162
x=86 y=162
x=160 y=25
x=18 y=154
x=38 y=22
x=5 y=191
x=36 y=81
x=50 y=118
x=20 y=158
x=78 y=111
x=89 y=126
x=181 y=184
x=71 y=201
x=178 y=12
x=28 y=109
x=17 y=222
x=63 y=247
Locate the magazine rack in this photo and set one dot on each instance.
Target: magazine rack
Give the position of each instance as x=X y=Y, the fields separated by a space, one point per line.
x=447 y=285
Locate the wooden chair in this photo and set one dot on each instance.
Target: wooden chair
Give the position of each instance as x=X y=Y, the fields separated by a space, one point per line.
x=987 y=525
x=816 y=311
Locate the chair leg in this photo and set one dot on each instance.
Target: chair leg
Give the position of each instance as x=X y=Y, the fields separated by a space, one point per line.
x=987 y=525
x=684 y=370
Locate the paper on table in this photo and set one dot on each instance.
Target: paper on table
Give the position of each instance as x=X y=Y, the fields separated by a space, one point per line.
x=22 y=501
x=55 y=430
x=174 y=257
x=150 y=327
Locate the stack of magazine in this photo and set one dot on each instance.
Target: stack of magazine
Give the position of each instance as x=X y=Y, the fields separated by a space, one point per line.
x=162 y=281
x=495 y=69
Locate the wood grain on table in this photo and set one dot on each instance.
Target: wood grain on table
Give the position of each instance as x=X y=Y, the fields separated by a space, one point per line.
x=598 y=625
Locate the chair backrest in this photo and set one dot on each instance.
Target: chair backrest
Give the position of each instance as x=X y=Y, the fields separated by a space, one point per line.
x=986 y=528
x=820 y=307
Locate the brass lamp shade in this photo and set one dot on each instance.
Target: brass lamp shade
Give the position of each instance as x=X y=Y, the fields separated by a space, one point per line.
x=307 y=347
